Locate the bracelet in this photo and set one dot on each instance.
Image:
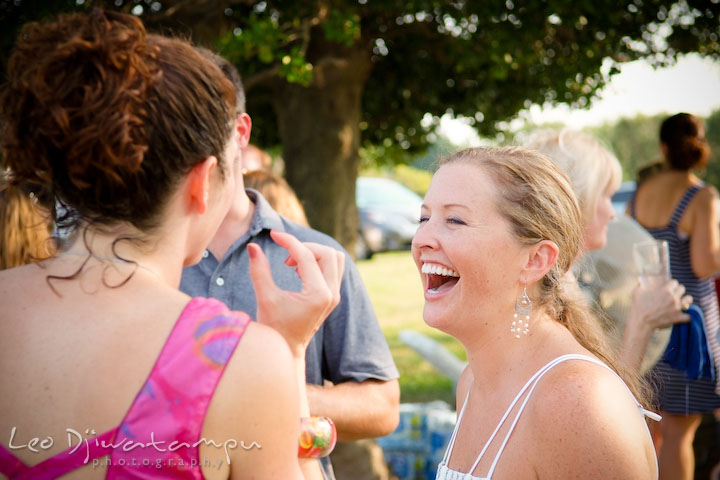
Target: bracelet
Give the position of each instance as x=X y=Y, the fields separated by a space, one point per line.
x=317 y=437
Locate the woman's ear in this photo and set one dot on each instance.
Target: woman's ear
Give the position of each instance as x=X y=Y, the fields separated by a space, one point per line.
x=664 y=150
x=541 y=258
x=198 y=185
x=243 y=126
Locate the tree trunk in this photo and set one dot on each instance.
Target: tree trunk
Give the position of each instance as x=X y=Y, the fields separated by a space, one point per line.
x=319 y=127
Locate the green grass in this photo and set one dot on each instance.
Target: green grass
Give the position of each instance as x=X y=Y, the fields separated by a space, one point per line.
x=393 y=282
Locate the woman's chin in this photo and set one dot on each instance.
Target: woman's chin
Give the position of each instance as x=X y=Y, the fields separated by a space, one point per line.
x=435 y=319
x=597 y=243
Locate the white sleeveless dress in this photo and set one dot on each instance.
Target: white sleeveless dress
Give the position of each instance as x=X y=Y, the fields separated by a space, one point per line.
x=446 y=473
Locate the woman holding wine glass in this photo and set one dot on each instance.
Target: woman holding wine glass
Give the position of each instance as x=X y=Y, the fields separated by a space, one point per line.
x=676 y=206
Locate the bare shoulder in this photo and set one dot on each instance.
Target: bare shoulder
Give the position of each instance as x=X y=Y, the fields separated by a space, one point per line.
x=261 y=354
x=703 y=206
x=13 y=279
x=6 y=277
x=709 y=190
x=706 y=195
x=256 y=403
x=259 y=373
x=588 y=425
x=259 y=378
x=24 y=289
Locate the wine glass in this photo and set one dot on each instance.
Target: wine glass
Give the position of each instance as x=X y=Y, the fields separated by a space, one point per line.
x=652 y=262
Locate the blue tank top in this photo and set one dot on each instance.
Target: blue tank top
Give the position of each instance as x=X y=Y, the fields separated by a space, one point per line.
x=702 y=290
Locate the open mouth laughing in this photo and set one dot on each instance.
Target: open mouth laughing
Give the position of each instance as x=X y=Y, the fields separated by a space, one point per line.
x=440 y=279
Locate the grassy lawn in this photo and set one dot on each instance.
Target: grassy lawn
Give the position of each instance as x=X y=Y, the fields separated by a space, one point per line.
x=396 y=293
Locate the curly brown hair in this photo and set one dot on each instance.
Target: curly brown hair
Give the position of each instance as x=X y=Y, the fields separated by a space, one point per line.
x=686 y=146
x=108 y=117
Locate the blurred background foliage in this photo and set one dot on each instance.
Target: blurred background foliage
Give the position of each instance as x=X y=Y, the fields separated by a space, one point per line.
x=634 y=140
x=335 y=82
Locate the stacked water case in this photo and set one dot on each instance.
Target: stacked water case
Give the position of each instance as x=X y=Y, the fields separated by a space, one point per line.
x=415 y=448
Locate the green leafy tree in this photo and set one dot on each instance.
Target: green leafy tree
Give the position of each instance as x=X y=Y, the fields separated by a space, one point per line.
x=634 y=141
x=325 y=77
x=712 y=133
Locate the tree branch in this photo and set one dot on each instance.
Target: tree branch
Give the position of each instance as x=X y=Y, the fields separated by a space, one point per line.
x=260 y=78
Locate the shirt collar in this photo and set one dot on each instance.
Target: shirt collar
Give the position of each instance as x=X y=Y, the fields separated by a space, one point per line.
x=264 y=218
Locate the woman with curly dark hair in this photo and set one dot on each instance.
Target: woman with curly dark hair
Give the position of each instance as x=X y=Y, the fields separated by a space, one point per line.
x=133 y=135
x=676 y=206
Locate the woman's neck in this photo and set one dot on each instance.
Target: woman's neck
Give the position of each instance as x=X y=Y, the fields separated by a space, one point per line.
x=504 y=357
x=127 y=250
x=679 y=175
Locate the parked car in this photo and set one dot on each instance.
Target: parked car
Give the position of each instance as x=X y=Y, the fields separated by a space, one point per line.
x=388 y=214
x=621 y=198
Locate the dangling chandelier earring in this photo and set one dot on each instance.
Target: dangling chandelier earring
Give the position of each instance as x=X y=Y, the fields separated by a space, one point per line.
x=521 y=317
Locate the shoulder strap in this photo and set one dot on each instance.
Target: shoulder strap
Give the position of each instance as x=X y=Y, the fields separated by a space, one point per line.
x=683 y=204
x=529 y=384
x=451 y=443
x=194 y=355
x=10 y=465
x=171 y=406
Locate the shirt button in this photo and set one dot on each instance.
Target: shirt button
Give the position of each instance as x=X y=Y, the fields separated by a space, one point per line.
x=206 y=254
x=220 y=282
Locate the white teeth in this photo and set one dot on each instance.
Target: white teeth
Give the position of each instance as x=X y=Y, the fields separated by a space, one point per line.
x=435 y=269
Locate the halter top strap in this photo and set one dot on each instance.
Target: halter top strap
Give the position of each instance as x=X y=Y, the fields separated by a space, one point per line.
x=60 y=464
x=529 y=387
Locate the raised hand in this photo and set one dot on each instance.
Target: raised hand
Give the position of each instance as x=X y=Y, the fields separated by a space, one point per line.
x=297 y=315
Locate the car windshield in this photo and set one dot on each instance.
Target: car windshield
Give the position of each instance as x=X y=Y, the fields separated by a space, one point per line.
x=382 y=191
